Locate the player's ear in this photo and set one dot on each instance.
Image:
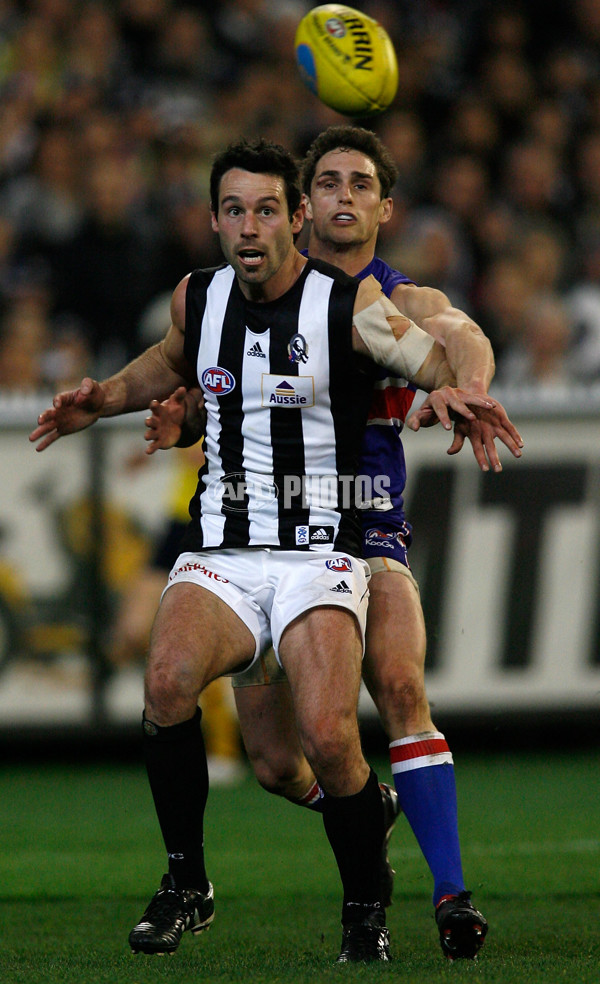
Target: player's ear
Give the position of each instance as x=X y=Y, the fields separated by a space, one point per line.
x=298 y=218
x=307 y=207
x=386 y=207
x=214 y=221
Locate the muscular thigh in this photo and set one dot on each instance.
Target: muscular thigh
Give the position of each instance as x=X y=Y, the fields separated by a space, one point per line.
x=321 y=652
x=395 y=636
x=198 y=635
x=394 y=665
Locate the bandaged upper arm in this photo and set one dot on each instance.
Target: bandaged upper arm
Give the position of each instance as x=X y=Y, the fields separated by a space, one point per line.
x=405 y=353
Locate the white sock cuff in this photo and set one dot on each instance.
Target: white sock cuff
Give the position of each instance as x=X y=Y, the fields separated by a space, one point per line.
x=419 y=752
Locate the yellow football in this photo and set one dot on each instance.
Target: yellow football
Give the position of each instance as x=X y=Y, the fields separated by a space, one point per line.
x=346 y=59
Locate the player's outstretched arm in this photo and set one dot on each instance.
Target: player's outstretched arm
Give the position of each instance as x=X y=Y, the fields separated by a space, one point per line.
x=155 y=374
x=395 y=342
x=471 y=361
x=178 y=421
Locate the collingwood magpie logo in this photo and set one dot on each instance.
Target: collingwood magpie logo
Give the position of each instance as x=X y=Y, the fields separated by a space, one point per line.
x=298 y=349
x=256 y=351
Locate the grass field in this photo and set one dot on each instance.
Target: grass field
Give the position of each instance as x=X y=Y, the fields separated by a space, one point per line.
x=81 y=855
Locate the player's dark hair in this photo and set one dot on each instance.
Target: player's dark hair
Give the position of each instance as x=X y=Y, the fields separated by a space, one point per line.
x=350 y=137
x=259 y=157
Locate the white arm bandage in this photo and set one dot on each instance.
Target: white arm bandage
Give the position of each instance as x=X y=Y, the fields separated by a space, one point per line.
x=404 y=355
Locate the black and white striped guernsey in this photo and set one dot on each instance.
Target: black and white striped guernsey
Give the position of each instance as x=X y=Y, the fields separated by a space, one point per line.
x=287 y=400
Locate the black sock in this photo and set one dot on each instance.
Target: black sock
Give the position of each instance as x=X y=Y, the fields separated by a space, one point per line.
x=176 y=766
x=355 y=828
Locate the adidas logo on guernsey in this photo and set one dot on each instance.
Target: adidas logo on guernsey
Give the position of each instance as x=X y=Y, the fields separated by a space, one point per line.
x=256 y=351
x=342 y=588
x=320 y=534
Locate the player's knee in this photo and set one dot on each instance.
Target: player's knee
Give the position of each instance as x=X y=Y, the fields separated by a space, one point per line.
x=277 y=773
x=328 y=741
x=168 y=696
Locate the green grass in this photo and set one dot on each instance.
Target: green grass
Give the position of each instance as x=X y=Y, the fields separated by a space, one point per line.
x=81 y=855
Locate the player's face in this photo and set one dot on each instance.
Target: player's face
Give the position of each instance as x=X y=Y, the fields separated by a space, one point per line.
x=254 y=227
x=345 y=204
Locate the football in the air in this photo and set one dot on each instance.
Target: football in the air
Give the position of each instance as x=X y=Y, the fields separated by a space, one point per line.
x=346 y=59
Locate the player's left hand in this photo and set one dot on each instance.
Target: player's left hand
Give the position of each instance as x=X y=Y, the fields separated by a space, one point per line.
x=163 y=426
x=482 y=427
x=183 y=409
x=440 y=403
x=482 y=432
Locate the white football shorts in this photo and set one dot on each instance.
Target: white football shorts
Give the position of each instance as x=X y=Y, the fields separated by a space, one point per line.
x=268 y=589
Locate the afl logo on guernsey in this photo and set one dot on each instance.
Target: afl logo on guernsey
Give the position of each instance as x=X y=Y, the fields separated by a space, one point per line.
x=218 y=381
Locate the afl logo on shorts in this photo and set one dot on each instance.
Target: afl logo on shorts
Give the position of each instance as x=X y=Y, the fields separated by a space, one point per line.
x=218 y=381
x=339 y=565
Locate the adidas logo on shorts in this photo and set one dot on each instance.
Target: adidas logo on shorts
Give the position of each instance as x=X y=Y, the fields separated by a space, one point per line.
x=320 y=534
x=256 y=351
x=342 y=588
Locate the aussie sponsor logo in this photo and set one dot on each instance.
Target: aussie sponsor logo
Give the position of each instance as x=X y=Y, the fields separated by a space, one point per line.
x=339 y=565
x=185 y=568
x=297 y=391
x=218 y=381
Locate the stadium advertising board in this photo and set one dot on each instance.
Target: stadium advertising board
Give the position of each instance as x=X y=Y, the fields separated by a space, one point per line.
x=508 y=566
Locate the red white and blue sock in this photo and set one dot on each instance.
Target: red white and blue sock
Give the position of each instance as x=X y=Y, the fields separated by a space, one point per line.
x=312 y=799
x=423 y=773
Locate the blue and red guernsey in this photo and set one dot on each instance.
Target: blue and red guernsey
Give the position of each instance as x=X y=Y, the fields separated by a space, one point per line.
x=382 y=451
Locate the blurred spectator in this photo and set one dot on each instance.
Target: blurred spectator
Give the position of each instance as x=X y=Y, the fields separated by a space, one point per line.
x=540 y=353
x=460 y=186
x=584 y=304
x=109 y=267
x=501 y=302
x=68 y=358
x=24 y=335
x=403 y=134
x=45 y=203
x=542 y=251
x=473 y=127
x=433 y=252
x=533 y=182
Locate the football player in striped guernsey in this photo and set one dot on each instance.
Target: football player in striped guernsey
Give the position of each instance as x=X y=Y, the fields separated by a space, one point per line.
x=272 y=552
x=347 y=177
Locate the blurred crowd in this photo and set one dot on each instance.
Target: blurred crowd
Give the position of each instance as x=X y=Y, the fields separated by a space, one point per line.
x=111 y=110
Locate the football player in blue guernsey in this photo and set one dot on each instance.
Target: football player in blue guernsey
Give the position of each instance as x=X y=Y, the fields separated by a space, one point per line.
x=272 y=552
x=347 y=178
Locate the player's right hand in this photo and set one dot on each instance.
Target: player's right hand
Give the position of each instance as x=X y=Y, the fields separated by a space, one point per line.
x=70 y=412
